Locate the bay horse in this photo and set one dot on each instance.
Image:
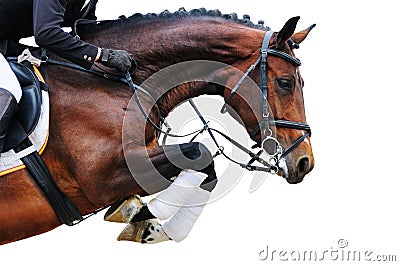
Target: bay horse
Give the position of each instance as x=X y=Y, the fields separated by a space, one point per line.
x=85 y=153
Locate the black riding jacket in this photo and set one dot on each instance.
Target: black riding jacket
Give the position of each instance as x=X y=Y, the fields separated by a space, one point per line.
x=43 y=19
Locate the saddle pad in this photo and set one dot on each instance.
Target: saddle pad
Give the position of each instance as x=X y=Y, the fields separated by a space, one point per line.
x=10 y=161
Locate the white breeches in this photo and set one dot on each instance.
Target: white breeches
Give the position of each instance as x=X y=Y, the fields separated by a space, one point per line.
x=8 y=80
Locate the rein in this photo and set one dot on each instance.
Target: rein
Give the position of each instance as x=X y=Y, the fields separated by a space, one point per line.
x=127 y=80
x=266 y=140
x=269 y=167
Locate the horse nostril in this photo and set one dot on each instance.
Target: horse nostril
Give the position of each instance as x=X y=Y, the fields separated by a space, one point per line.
x=303 y=165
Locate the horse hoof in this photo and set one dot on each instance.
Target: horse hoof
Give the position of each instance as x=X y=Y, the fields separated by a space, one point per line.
x=123 y=210
x=146 y=232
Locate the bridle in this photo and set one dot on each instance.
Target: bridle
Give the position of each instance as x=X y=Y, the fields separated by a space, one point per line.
x=270 y=144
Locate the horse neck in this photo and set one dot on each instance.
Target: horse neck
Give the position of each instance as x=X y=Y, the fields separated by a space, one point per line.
x=159 y=44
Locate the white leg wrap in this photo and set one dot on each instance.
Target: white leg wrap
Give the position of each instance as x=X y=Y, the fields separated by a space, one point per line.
x=8 y=80
x=180 y=225
x=171 y=199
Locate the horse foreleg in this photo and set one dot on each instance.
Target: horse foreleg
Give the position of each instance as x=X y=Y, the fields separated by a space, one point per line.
x=184 y=200
x=178 y=227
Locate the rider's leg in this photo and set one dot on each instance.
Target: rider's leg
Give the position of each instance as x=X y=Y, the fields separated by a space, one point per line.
x=10 y=95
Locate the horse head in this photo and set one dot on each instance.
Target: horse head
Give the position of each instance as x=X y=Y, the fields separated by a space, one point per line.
x=284 y=93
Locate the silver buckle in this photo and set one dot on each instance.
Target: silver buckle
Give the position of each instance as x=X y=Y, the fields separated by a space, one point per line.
x=272 y=147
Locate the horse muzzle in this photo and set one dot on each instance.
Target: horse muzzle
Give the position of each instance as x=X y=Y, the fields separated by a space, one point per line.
x=296 y=168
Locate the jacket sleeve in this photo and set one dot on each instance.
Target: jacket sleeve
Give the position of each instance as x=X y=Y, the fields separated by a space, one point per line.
x=48 y=17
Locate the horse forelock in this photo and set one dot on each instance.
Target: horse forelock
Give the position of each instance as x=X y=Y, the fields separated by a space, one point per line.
x=174 y=16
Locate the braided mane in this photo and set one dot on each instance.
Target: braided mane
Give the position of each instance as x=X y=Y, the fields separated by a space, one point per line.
x=181 y=13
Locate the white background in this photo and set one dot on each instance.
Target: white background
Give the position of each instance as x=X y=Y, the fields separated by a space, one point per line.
x=350 y=67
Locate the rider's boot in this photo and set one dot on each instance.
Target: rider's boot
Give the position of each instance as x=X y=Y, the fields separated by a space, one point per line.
x=8 y=107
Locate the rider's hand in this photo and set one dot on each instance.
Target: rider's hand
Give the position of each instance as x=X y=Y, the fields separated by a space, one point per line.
x=118 y=59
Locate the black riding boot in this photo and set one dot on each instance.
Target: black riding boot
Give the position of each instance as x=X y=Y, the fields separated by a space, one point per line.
x=8 y=107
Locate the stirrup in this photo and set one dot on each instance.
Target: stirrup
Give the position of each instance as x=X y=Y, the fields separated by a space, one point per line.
x=124 y=210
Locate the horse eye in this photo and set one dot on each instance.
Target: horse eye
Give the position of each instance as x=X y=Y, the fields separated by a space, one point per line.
x=285 y=84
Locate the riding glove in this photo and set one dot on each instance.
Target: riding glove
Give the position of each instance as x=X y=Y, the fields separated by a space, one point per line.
x=118 y=59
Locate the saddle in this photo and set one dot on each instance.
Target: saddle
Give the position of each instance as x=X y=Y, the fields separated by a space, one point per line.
x=29 y=108
x=27 y=118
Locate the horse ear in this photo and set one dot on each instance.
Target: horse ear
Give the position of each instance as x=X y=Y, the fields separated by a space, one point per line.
x=300 y=36
x=287 y=31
